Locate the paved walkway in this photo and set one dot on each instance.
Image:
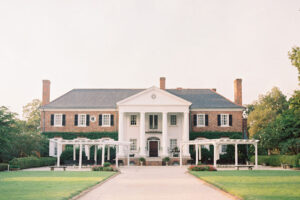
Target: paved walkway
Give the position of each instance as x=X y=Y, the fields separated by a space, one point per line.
x=148 y=183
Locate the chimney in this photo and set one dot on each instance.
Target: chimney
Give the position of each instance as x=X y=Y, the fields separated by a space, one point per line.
x=214 y=89
x=238 y=91
x=162 y=83
x=46 y=92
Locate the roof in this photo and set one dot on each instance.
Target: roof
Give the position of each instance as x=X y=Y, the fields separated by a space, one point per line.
x=108 y=98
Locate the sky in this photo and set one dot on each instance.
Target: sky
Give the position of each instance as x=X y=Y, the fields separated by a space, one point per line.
x=131 y=43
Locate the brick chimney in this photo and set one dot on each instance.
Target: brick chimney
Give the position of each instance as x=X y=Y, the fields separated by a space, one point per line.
x=214 y=89
x=162 y=83
x=238 y=91
x=46 y=92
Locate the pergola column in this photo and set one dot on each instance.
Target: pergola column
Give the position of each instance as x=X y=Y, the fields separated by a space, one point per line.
x=200 y=152
x=103 y=154
x=87 y=151
x=236 y=154
x=108 y=152
x=142 y=134
x=121 y=133
x=185 y=135
x=59 y=149
x=80 y=155
x=95 y=154
x=196 y=148
x=74 y=152
x=215 y=155
x=165 y=134
x=117 y=159
x=255 y=146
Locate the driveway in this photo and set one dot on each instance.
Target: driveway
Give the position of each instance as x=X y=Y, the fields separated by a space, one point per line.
x=151 y=182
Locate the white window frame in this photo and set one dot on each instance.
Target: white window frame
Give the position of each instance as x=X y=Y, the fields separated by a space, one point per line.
x=84 y=117
x=171 y=120
x=130 y=120
x=59 y=124
x=172 y=146
x=198 y=120
x=108 y=124
x=133 y=145
x=222 y=121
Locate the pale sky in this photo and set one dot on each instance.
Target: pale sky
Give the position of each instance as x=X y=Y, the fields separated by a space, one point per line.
x=131 y=43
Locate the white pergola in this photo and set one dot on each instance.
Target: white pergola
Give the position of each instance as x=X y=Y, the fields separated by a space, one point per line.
x=217 y=143
x=87 y=143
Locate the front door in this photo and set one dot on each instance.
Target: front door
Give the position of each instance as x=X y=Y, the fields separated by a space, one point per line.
x=153 y=148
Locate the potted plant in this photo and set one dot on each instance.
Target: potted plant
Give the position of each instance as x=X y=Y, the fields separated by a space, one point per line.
x=142 y=160
x=166 y=160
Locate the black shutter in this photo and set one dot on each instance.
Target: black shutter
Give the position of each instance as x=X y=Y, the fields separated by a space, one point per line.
x=230 y=120
x=52 y=120
x=219 y=120
x=100 y=120
x=195 y=120
x=76 y=120
x=63 y=120
x=155 y=121
x=206 y=120
x=151 y=121
x=87 y=120
x=112 y=120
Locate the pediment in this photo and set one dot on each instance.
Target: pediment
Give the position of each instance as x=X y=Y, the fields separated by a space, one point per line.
x=154 y=96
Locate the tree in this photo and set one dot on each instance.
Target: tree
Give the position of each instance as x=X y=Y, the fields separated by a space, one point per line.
x=32 y=115
x=294 y=56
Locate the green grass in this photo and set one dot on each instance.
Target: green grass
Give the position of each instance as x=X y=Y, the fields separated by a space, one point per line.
x=250 y=185
x=47 y=185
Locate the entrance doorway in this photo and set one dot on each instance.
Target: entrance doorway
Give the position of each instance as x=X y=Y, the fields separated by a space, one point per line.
x=153 y=148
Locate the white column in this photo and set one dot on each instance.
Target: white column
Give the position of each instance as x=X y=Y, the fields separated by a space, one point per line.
x=117 y=159
x=59 y=148
x=121 y=134
x=196 y=148
x=180 y=153
x=80 y=155
x=200 y=152
x=95 y=154
x=108 y=152
x=87 y=151
x=165 y=134
x=236 y=154
x=255 y=146
x=215 y=155
x=128 y=156
x=74 y=152
x=103 y=153
x=142 y=134
x=185 y=135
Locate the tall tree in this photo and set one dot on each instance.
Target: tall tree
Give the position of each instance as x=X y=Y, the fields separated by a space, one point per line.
x=294 y=56
x=32 y=115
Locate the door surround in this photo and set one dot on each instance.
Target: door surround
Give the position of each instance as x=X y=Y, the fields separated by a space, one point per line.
x=154 y=139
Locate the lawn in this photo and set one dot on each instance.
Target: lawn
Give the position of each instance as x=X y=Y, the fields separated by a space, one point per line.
x=250 y=185
x=47 y=185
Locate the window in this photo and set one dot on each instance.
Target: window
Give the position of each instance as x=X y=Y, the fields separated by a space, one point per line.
x=132 y=120
x=224 y=120
x=224 y=149
x=133 y=145
x=173 y=120
x=153 y=120
x=93 y=118
x=173 y=144
x=82 y=120
x=55 y=148
x=58 y=120
x=106 y=120
x=200 y=120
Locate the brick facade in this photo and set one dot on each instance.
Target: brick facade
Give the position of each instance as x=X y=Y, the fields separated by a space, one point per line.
x=70 y=127
x=237 y=121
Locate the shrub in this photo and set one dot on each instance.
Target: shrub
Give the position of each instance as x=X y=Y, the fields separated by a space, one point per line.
x=166 y=159
x=100 y=168
x=202 y=168
x=3 y=166
x=276 y=160
x=106 y=164
x=142 y=159
x=28 y=162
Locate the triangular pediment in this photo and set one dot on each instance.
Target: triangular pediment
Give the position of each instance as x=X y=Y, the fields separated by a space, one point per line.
x=154 y=96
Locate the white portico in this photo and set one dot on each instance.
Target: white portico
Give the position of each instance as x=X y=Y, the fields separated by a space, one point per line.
x=155 y=121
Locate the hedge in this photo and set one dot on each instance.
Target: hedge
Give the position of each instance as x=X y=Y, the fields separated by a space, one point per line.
x=277 y=160
x=90 y=135
x=216 y=135
x=3 y=166
x=28 y=162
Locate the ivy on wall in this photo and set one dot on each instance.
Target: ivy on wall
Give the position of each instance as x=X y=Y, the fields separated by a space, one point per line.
x=216 y=135
x=90 y=135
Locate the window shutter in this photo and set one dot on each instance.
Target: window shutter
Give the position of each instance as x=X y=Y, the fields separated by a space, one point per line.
x=52 y=120
x=206 y=120
x=195 y=120
x=64 y=120
x=87 y=120
x=219 y=120
x=100 y=120
x=151 y=121
x=76 y=120
x=155 y=121
x=230 y=120
x=112 y=120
